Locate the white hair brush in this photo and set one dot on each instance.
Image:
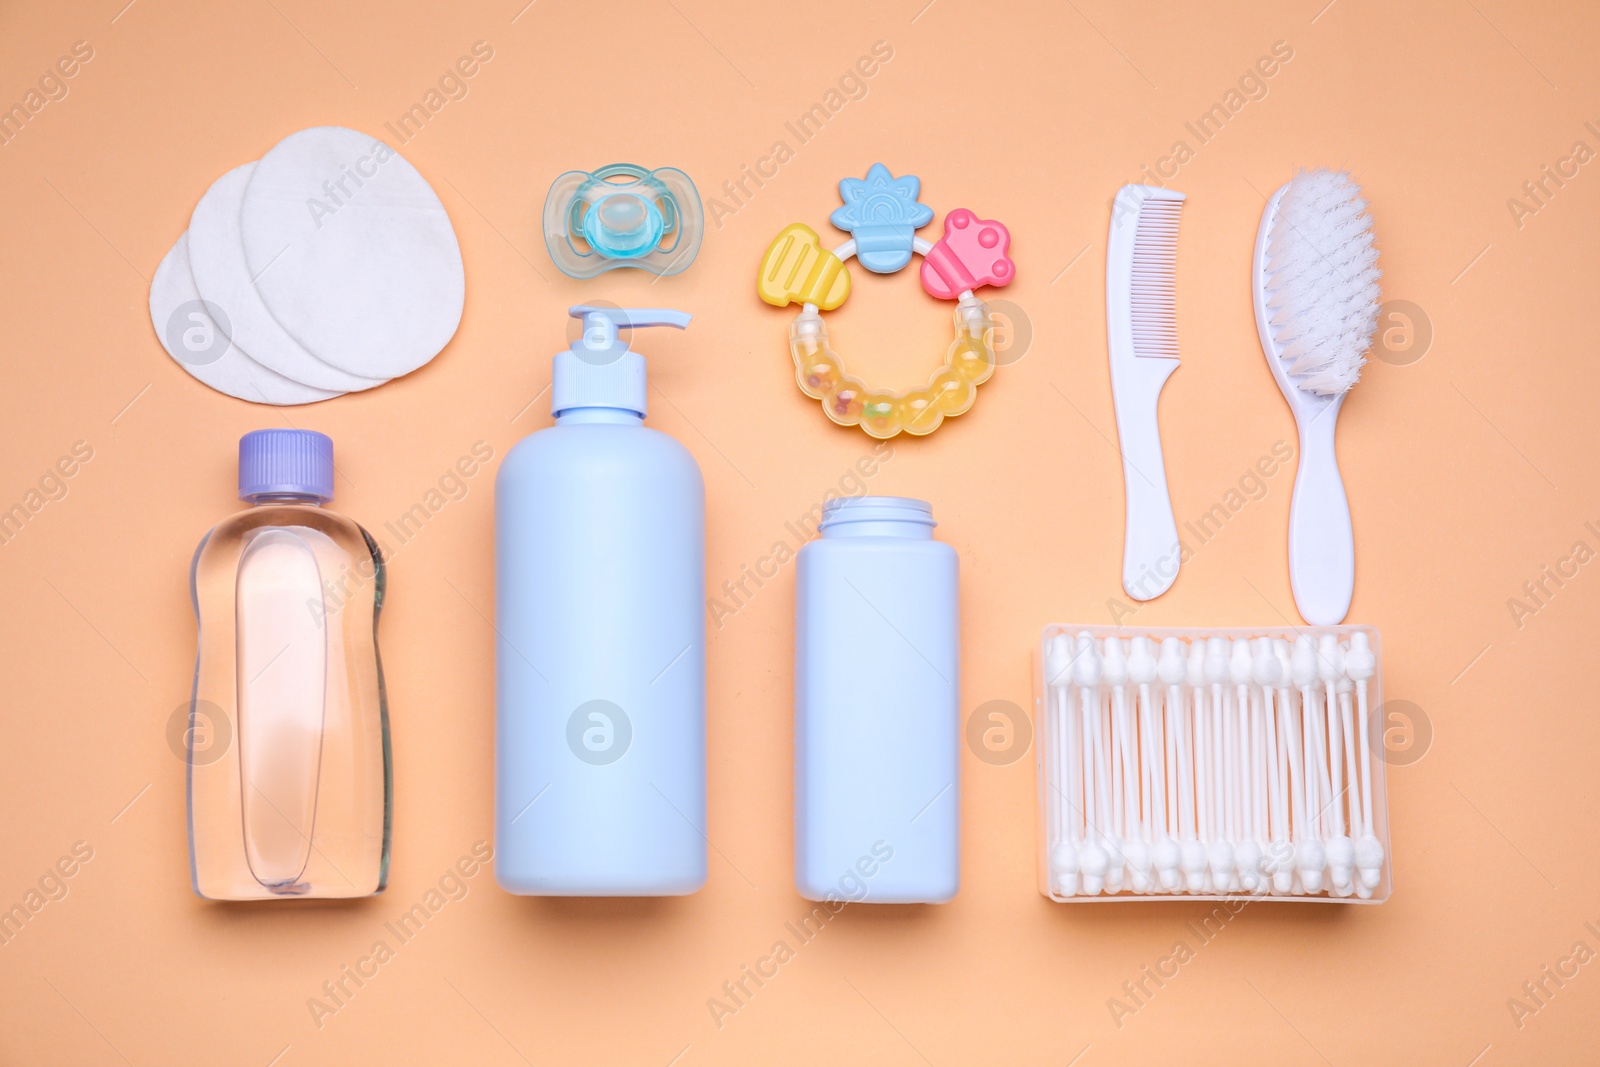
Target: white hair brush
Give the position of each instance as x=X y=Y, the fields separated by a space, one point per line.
x=1316 y=297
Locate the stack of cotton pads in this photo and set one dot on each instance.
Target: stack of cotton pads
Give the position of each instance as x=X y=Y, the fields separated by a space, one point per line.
x=329 y=266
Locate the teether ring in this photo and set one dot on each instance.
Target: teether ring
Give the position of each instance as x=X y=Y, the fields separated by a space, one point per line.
x=882 y=215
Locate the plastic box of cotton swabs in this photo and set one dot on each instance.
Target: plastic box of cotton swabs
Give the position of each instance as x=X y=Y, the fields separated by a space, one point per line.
x=1211 y=764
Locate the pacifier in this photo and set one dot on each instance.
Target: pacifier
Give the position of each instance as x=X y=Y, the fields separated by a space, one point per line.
x=623 y=216
x=882 y=215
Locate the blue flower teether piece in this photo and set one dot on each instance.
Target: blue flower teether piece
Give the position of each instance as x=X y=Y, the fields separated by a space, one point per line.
x=623 y=216
x=882 y=214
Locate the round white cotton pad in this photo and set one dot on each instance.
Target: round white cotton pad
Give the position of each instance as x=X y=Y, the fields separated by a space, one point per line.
x=352 y=252
x=195 y=336
x=216 y=259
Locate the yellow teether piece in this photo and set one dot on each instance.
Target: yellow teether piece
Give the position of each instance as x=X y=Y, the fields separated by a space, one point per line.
x=850 y=402
x=797 y=268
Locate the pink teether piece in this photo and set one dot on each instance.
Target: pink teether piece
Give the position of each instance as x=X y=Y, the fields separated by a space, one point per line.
x=971 y=253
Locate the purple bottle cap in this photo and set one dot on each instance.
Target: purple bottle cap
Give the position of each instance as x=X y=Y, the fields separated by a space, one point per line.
x=286 y=462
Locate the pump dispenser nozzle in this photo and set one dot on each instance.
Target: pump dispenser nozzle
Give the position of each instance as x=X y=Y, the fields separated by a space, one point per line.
x=598 y=370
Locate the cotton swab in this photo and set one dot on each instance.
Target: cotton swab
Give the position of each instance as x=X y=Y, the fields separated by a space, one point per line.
x=1280 y=854
x=1317 y=734
x=1309 y=854
x=1114 y=736
x=1093 y=859
x=1142 y=672
x=1191 y=780
x=1293 y=771
x=1259 y=773
x=1341 y=849
x=1168 y=852
x=1131 y=848
x=1343 y=688
x=1361 y=665
x=1247 y=850
x=1063 y=849
x=1216 y=667
x=1200 y=737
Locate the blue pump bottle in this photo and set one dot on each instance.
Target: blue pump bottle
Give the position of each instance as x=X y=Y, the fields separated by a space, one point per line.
x=600 y=754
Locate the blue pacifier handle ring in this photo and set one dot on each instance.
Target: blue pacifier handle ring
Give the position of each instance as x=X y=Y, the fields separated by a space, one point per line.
x=613 y=170
x=653 y=195
x=667 y=203
x=580 y=199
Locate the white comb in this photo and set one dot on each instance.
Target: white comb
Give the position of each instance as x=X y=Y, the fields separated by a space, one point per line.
x=1316 y=301
x=1142 y=336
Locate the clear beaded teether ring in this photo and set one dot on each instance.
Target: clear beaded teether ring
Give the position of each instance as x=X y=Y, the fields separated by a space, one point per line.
x=882 y=214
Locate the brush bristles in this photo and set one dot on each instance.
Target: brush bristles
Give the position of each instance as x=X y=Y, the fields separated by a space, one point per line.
x=1155 y=269
x=1322 y=278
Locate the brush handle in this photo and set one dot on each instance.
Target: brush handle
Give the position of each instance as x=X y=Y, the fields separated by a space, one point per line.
x=1322 y=552
x=1150 y=551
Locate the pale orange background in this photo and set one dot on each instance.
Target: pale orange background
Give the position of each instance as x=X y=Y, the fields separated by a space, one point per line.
x=1468 y=472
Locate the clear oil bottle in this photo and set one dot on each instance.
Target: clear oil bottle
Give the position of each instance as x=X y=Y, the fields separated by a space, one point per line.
x=292 y=795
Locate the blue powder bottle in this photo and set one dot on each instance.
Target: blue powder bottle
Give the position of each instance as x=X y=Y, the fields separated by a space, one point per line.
x=877 y=718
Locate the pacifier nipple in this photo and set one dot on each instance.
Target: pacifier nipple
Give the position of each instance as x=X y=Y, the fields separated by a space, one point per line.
x=623 y=226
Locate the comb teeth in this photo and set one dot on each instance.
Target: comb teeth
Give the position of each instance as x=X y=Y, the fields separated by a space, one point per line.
x=1153 y=289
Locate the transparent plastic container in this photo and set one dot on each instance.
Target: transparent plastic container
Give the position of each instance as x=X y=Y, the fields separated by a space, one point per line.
x=1203 y=764
x=290 y=793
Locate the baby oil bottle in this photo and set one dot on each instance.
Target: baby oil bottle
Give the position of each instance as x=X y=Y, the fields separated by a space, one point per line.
x=290 y=796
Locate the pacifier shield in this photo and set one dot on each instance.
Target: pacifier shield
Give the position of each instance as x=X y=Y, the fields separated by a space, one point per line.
x=623 y=215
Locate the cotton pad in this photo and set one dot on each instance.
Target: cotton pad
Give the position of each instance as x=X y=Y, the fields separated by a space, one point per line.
x=192 y=336
x=216 y=260
x=352 y=252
